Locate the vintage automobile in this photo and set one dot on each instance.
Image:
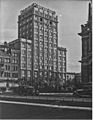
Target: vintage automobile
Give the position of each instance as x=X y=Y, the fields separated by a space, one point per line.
x=25 y=90
x=83 y=93
x=2 y=89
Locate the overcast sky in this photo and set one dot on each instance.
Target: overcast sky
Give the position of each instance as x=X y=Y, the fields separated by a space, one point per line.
x=71 y=14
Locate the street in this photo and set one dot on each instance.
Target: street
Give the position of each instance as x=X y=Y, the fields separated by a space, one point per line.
x=24 y=111
x=44 y=107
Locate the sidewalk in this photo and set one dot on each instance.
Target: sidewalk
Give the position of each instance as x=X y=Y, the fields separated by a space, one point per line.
x=49 y=98
x=56 y=94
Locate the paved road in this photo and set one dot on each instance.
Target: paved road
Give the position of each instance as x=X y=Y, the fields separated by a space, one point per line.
x=24 y=111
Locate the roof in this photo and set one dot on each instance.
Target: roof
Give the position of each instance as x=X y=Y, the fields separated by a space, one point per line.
x=35 y=5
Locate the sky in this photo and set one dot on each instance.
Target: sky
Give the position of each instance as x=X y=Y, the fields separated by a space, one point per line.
x=71 y=14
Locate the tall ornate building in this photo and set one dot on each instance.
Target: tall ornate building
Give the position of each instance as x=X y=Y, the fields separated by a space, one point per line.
x=40 y=26
x=86 y=61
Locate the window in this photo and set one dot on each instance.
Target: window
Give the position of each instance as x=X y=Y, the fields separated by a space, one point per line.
x=35 y=73
x=23 y=58
x=45 y=73
x=7 y=60
x=36 y=8
x=50 y=13
x=36 y=30
x=28 y=73
x=41 y=27
x=41 y=10
x=63 y=59
x=22 y=73
x=64 y=70
x=23 y=65
x=7 y=67
x=50 y=33
x=50 y=45
x=41 y=32
x=14 y=54
x=54 y=35
x=0 y=59
x=64 y=76
x=54 y=30
x=36 y=17
x=46 y=27
x=63 y=54
x=27 y=20
x=23 y=45
x=31 y=25
x=55 y=45
x=40 y=73
x=41 y=36
x=54 y=24
x=14 y=61
x=14 y=68
x=64 y=64
x=29 y=46
x=35 y=35
x=41 y=19
x=35 y=65
x=36 y=23
x=15 y=75
x=29 y=65
x=40 y=67
x=6 y=74
x=50 y=68
x=45 y=21
x=30 y=18
x=50 y=22
x=29 y=53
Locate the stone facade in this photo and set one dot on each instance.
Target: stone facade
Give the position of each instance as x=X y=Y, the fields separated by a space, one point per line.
x=86 y=60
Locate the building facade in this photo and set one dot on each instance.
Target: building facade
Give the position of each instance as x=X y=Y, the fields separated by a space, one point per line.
x=62 y=65
x=35 y=57
x=9 y=63
x=25 y=58
x=40 y=26
x=86 y=60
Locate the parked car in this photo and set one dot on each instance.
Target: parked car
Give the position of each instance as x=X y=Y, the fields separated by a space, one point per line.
x=1 y=92
x=25 y=90
x=2 y=89
x=83 y=93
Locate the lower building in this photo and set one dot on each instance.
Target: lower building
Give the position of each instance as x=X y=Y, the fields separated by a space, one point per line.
x=73 y=80
x=9 y=64
x=25 y=59
x=62 y=65
x=70 y=79
x=78 y=78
